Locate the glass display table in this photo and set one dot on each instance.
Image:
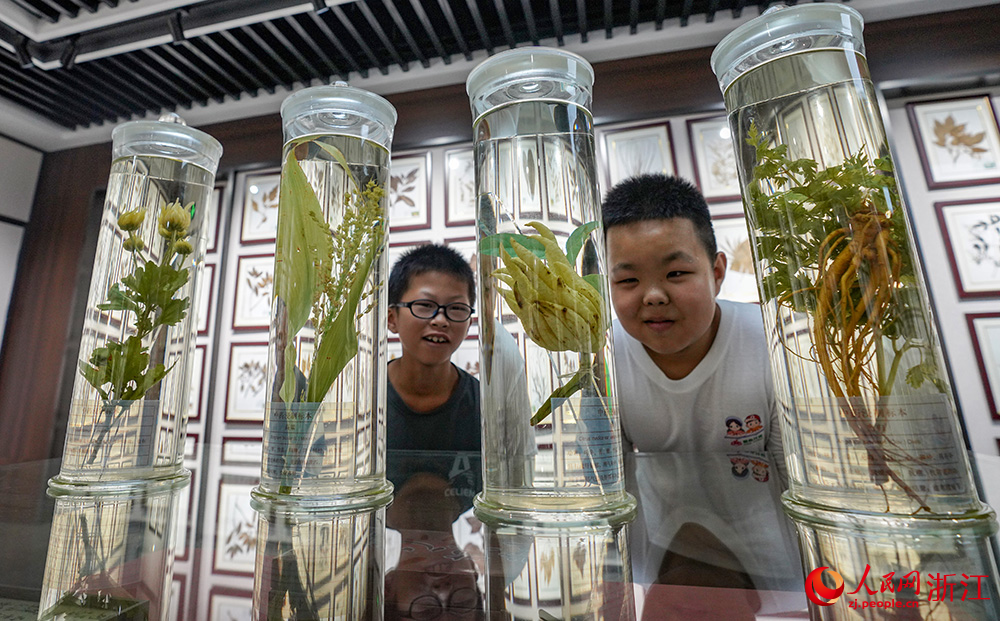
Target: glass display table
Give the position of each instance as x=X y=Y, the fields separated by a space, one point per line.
x=711 y=540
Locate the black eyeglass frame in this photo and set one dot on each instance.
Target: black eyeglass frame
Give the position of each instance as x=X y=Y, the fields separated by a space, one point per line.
x=438 y=608
x=447 y=309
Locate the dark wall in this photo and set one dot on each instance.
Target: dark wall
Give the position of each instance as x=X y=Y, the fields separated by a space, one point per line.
x=937 y=47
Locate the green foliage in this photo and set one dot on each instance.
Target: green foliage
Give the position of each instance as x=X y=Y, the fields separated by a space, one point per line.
x=833 y=244
x=122 y=371
x=306 y=255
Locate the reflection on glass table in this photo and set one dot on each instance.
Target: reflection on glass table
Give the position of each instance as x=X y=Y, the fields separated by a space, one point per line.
x=711 y=540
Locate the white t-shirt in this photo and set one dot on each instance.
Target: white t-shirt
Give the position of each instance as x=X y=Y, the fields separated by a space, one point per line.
x=725 y=404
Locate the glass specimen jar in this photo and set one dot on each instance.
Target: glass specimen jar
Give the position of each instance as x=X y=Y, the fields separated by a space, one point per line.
x=549 y=572
x=318 y=565
x=128 y=415
x=897 y=568
x=551 y=444
x=870 y=422
x=111 y=555
x=324 y=423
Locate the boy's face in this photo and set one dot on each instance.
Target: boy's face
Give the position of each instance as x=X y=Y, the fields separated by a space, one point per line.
x=430 y=341
x=663 y=287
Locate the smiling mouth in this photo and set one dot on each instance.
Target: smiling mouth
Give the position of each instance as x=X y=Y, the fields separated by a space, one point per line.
x=659 y=323
x=437 y=340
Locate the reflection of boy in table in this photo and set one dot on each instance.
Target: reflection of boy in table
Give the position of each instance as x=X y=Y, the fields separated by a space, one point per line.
x=686 y=363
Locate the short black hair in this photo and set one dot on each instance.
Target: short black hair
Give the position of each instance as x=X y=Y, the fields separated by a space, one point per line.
x=429 y=258
x=659 y=197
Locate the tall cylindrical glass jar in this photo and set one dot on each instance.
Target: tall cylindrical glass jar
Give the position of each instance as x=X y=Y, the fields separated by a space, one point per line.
x=324 y=424
x=318 y=565
x=897 y=569
x=870 y=422
x=545 y=572
x=111 y=553
x=128 y=415
x=551 y=445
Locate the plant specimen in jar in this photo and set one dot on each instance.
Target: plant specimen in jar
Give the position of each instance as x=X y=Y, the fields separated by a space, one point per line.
x=126 y=371
x=833 y=244
x=559 y=309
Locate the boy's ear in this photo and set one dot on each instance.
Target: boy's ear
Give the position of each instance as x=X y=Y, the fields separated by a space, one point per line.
x=390 y=319
x=719 y=270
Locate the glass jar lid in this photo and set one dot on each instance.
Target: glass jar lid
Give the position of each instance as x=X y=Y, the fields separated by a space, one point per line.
x=338 y=109
x=169 y=139
x=783 y=30
x=529 y=73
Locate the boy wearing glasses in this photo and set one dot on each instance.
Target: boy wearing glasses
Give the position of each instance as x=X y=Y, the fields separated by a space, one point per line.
x=431 y=403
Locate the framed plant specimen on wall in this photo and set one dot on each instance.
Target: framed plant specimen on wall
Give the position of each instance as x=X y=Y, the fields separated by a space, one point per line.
x=985 y=331
x=410 y=192
x=241 y=451
x=254 y=281
x=197 y=383
x=971 y=231
x=958 y=141
x=260 y=208
x=204 y=311
x=235 y=529
x=212 y=225
x=397 y=249
x=245 y=396
x=466 y=357
x=228 y=604
x=638 y=150
x=460 y=184
x=714 y=159
x=733 y=240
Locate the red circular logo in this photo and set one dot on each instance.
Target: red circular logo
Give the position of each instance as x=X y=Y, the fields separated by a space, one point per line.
x=820 y=594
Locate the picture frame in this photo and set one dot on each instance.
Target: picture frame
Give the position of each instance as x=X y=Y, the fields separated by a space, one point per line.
x=185 y=524
x=958 y=141
x=638 y=150
x=410 y=192
x=214 y=215
x=178 y=592
x=241 y=451
x=733 y=239
x=227 y=604
x=460 y=187
x=245 y=388
x=715 y=168
x=191 y=447
x=203 y=315
x=466 y=246
x=254 y=284
x=971 y=233
x=466 y=357
x=984 y=329
x=394 y=348
x=396 y=249
x=235 y=528
x=197 y=393
x=259 y=222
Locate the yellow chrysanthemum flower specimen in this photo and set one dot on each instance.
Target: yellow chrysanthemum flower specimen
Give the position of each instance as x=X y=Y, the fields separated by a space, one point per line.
x=133 y=243
x=174 y=220
x=131 y=220
x=183 y=247
x=558 y=308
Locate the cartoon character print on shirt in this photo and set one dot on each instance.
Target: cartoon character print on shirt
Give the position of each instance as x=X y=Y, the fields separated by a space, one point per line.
x=747 y=465
x=745 y=432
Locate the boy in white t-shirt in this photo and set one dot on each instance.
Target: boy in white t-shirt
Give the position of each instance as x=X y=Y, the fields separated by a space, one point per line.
x=693 y=373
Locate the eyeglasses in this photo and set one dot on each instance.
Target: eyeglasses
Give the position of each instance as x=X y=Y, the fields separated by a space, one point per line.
x=461 y=603
x=429 y=309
